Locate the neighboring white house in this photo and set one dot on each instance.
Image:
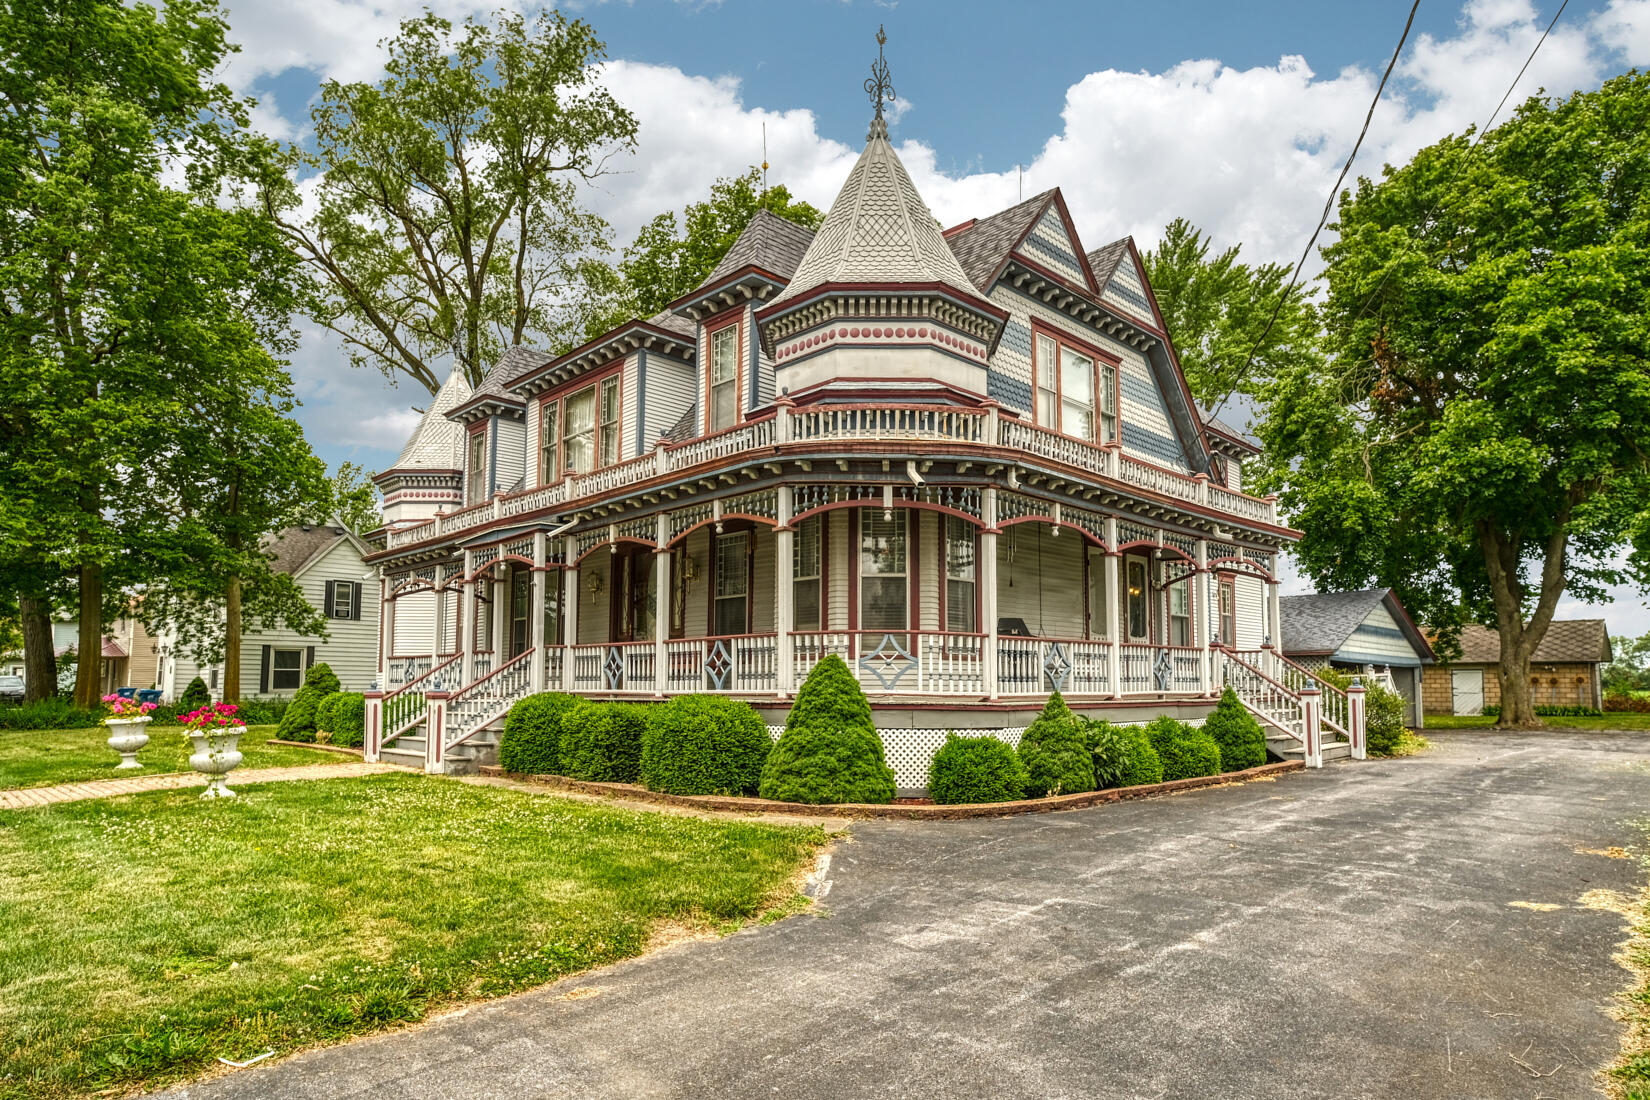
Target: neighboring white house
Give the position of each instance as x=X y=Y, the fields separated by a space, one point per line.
x=325 y=561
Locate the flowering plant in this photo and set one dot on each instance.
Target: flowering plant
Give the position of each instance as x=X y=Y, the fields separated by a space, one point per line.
x=125 y=710
x=211 y=718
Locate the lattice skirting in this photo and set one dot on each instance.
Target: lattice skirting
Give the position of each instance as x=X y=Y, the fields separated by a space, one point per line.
x=909 y=751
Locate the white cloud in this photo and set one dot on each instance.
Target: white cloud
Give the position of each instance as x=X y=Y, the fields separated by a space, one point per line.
x=1624 y=28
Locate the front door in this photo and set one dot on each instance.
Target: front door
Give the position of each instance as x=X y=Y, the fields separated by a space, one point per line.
x=521 y=605
x=1467 y=690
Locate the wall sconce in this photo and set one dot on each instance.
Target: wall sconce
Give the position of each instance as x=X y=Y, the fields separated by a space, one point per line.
x=597 y=585
x=690 y=569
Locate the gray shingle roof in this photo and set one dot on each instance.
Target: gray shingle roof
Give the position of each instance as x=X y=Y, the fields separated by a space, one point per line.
x=1104 y=260
x=981 y=247
x=670 y=322
x=438 y=443
x=1321 y=622
x=293 y=546
x=1568 y=641
x=686 y=426
x=769 y=242
x=878 y=231
x=505 y=370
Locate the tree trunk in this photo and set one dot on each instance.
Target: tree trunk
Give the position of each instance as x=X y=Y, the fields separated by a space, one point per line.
x=232 y=641
x=88 y=682
x=39 y=660
x=1503 y=557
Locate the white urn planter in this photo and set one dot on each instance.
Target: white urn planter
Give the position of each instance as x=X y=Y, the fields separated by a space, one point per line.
x=127 y=736
x=215 y=756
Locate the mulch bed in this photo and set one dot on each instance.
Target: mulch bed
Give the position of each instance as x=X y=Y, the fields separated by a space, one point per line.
x=908 y=810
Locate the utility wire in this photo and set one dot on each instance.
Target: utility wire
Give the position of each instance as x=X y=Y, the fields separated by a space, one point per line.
x=1329 y=204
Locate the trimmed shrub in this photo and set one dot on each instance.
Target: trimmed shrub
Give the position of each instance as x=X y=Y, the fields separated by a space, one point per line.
x=1186 y=752
x=349 y=718
x=1631 y=702
x=1055 y=752
x=602 y=742
x=326 y=718
x=703 y=744
x=260 y=712
x=195 y=696
x=1550 y=710
x=531 y=742
x=1242 y=742
x=1123 y=755
x=975 y=769
x=830 y=751
x=1383 y=720
x=298 y=723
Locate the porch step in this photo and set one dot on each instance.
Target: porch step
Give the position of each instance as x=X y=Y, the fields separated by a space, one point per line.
x=406 y=750
x=482 y=749
x=1287 y=748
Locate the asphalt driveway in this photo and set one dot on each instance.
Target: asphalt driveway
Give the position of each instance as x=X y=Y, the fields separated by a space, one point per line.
x=1409 y=928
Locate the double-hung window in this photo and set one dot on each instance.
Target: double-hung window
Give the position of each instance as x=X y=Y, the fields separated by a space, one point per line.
x=478 y=466
x=1180 y=612
x=286 y=669
x=1076 y=393
x=732 y=583
x=959 y=576
x=1228 y=612
x=610 y=421
x=1135 y=608
x=883 y=577
x=579 y=433
x=1100 y=620
x=805 y=576
x=549 y=443
x=723 y=400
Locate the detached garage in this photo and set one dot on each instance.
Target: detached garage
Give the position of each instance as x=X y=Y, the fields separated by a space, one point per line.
x=1366 y=632
x=1565 y=671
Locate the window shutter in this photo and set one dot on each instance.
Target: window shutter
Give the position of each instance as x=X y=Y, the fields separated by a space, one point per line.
x=263 y=673
x=309 y=658
x=331 y=599
x=355 y=602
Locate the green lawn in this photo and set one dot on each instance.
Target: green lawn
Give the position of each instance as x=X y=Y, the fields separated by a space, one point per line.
x=39 y=758
x=1620 y=720
x=143 y=937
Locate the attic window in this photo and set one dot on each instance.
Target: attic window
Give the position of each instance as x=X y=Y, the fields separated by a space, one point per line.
x=1070 y=379
x=723 y=404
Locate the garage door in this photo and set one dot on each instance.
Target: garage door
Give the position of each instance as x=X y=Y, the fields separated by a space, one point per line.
x=1467 y=688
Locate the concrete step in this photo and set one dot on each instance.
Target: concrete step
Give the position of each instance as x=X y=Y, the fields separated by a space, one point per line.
x=395 y=753
x=1287 y=749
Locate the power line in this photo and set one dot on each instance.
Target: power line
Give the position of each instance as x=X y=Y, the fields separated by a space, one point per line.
x=1329 y=204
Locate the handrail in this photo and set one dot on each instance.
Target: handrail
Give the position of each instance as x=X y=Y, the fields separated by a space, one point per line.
x=467 y=726
x=467 y=688
x=425 y=675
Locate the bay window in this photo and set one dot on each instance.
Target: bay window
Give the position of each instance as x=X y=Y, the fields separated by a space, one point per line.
x=1136 y=612
x=959 y=576
x=805 y=576
x=1076 y=391
x=477 y=487
x=1180 y=612
x=723 y=400
x=1228 y=612
x=549 y=443
x=610 y=421
x=732 y=596
x=579 y=433
x=883 y=578
x=1100 y=622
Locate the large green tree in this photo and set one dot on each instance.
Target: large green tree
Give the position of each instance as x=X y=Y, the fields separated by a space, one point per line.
x=673 y=254
x=1229 y=328
x=447 y=216
x=1477 y=440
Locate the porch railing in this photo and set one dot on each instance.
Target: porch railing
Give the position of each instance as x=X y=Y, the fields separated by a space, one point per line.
x=1337 y=708
x=405 y=705
x=469 y=710
x=1037 y=666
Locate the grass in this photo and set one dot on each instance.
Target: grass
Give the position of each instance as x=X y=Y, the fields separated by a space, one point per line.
x=1629 y=1078
x=40 y=758
x=1409 y=743
x=1616 y=720
x=143 y=937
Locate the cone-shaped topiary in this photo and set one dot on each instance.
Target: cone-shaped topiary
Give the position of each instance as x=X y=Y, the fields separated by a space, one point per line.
x=830 y=751
x=1123 y=755
x=1242 y=742
x=975 y=769
x=194 y=697
x=1055 y=752
x=531 y=742
x=298 y=723
x=1186 y=752
x=602 y=742
x=704 y=744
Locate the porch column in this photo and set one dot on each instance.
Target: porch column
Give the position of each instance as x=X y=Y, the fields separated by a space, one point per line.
x=438 y=633
x=1114 y=655
x=386 y=632
x=988 y=590
x=503 y=611
x=784 y=615
x=1200 y=613
x=661 y=604
x=467 y=618
x=535 y=620
x=1274 y=621
x=570 y=615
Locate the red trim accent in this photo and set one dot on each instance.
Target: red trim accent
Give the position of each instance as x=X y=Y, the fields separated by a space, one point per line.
x=973 y=299
x=959 y=227
x=734 y=319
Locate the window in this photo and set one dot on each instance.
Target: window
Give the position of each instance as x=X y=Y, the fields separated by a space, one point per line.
x=521 y=604
x=286 y=669
x=724 y=378
x=1099 y=614
x=342 y=597
x=883 y=603
x=1066 y=391
x=579 y=433
x=482 y=639
x=959 y=576
x=1139 y=624
x=679 y=582
x=1180 y=612
x=1228 y=613
x=732 y=597
x=549 y=443
x=805 y=576
x=610 y=421
x=478 y=465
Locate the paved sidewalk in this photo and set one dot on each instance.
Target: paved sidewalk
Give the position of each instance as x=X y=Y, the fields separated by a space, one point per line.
x=106 y=788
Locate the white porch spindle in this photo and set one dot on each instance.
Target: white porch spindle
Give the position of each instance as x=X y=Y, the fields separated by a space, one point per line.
x=661 y=603
x=1200 y=611
x=1114 y=655
x=988 y=587
x=570 y=620
x=535 y=621
x=784 y=589
x=467 y=617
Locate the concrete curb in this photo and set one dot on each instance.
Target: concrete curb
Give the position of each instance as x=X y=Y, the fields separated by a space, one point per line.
x=629 y=792
x=342 y=749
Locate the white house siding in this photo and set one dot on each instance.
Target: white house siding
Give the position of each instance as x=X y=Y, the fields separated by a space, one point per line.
x=670 y=392
x=351 y=648
x=763 y=609
x=1147 y=432
x=511 y=455
x=630 y=393
x=531 y=439
x=1250 y=599
x=1040 y=580
x=695 y=611
x=594 y=614
x=837 y=558
x=926 y=567
x=1050 y=248
x=414 y=624
x=1378 y=640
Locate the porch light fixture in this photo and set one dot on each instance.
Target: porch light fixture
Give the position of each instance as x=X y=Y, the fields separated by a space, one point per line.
x=596 y=584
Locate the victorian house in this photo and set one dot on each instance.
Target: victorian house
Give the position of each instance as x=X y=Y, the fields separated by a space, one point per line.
x=965 y=460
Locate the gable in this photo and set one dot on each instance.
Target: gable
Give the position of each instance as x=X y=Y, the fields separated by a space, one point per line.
x=1050 y=245
x=1126 y=290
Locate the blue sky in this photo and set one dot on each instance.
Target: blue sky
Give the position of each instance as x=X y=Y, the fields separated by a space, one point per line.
x=1236 y=116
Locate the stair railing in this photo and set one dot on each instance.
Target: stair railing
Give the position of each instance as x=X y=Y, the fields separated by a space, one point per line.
x=406 y=707
x=469 y=710
x=1294 y=713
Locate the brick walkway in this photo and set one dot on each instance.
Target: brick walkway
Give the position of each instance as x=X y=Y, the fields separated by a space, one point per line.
x=105 y=788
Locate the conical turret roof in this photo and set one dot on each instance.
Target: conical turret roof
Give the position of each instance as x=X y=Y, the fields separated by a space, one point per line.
x=438 y=443
x=878 y=231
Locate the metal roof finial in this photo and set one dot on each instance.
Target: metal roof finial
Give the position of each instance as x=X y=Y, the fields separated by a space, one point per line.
x=879 y=87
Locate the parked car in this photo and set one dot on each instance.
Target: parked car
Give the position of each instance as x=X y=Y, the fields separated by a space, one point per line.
x=11 y=689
